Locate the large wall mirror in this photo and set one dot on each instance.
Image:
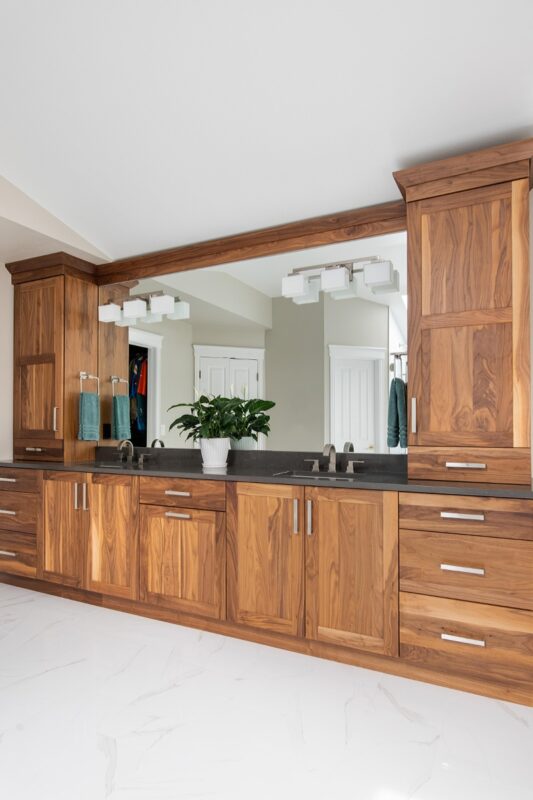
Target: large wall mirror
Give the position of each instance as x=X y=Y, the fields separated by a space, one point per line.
x=320 y=331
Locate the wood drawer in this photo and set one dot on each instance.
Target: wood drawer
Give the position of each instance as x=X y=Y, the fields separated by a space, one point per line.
x=18 y=553
x=20 y=480
x=472 y=568
x=19 y=511
x=485 y=464
x=499 y=642
x=182 y=493
x=38 y=450
x=477 y=516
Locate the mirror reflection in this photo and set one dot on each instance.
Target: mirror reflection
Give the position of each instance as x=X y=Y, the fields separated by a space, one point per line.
x=321 y=332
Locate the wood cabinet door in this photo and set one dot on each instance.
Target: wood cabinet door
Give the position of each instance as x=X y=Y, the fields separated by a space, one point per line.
x=469 y=318
x=112 y=548
x=183 y=560
x=352 y=568
x=64 y=528
x=38 y=350
x=265 y=556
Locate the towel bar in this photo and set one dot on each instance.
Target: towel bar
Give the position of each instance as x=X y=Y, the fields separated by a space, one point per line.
x=86 y=376
x=116 y=379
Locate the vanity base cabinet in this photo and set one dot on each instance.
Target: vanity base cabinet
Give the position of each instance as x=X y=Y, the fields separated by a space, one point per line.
x=266 y=556
x=352 y=568
x=65 y=527
x=183 y=560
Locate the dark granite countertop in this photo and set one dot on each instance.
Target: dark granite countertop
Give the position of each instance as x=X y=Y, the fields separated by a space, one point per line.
x=379 y=472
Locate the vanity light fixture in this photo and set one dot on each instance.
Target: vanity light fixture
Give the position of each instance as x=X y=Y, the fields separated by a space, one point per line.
x=336 y=279
x=134 y=309
x=378 y=273
x=311 y=295
x=388 y=288
x=295 y=285
x=151 y=318
x=182 y=310
x=161 y=304
x=124 y=322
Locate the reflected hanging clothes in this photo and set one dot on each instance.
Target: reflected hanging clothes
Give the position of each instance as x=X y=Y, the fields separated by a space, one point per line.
x=138 y=391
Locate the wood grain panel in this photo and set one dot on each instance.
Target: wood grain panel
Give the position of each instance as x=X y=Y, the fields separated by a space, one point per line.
x=501 y=518
x=521 y=321
x=64 y=542
x=33 y=449
x=113 y=353
x=19 y=511
x=351 y=569
x=183 y=564
x=38 y=359
x=183 y=493
x=469 y=180
x=112 y=551
x=502 y=465
x=507 y=568
x=507 y=634
x=265 y=556
x=20 y=480
x=18 y=553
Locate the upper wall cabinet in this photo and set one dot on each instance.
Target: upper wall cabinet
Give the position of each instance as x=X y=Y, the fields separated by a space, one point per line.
x=469 y=343
x=55 y=338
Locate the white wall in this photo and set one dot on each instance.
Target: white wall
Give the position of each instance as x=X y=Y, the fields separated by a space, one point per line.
x=6 y=364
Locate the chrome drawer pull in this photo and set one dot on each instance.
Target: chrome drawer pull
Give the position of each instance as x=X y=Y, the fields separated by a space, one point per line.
x=464 y=465
x=8 y=480
x=449 y=637
x=8 y=554
x=84 y=506
x=54 y=419
x=75 y=487
x=177 y=494
x=457 y=568
x=295 y=516
x=33 y=449
x=309 y=518
x=176 y=515
x=455 y=515
x=8 y=513
x=413 y=414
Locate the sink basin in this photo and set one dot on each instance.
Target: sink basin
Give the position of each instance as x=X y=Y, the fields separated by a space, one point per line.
x=326 y=477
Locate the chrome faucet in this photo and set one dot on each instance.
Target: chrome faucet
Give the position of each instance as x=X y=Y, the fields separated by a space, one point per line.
x=348 y=447
x=126 y=444
x=154 y=443
x=331 y=453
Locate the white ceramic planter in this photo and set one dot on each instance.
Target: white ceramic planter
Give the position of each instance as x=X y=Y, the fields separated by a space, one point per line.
x=246 y=443
x=215 y=452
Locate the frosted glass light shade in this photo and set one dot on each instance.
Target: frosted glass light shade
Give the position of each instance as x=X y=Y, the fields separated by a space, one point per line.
x=182 y=310
x=389 y=288
x=150 y=318
x=162 y=304
x=311 y=295
x=135 y=309
x=334 y=280
x=378 y=273
x=109 y=312
x=294 y=286
x=123 y=322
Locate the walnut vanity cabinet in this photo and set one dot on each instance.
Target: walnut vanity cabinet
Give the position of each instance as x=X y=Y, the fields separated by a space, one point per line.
x=90 y=534
x=20 y=520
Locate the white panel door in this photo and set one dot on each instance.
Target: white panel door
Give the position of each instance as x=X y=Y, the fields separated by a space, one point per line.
x=243 y=377
x=214 y=376
x=354 y=404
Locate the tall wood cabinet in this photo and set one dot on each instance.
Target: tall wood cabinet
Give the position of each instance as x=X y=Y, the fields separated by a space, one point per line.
x=55 y=338
x=468 y=337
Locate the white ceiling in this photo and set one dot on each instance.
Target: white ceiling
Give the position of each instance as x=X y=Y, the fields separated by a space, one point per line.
x=148 y=124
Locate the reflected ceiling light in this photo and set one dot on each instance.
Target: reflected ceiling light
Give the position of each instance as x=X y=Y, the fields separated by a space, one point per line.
x=378 y=273
x=110 y=312
x=161 y=304
x=311 y=295
x=134 y=309
x=388 y=288
x=336 y=279
x=181 y=310
x=345 y=294
x=124 y=322
x=294 y=285
x=150 y=318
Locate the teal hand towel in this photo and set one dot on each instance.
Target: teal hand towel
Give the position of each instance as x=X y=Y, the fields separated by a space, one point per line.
x=120 y=426
x=89 y=430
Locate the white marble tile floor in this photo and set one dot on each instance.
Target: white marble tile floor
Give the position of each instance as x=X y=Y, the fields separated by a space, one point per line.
x=100 y=705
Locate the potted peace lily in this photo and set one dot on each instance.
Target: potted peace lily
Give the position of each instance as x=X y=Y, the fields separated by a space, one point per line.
x=250 y=421
x=211 y=421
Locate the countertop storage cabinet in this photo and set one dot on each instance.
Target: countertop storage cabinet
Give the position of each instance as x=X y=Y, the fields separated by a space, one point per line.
x=90 y=533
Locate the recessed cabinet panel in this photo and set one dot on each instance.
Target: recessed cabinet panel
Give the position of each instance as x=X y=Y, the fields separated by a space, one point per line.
x=183 y=560
x=65 y=527
x=265 y=556
x=352 y=568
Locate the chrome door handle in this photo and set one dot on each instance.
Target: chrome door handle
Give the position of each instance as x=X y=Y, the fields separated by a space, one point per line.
x=8 y=513
x=295 y=515
x=464 y=465
x=175 y=515
x=75 y=497
x=33 y=449
x=413 y=414
x=8 y=480
x=84 y=506
x=8 y=554
x=455 y=515
x=177 y=494
x=309 y=514
x=54 y=418
x=457 y=568
x=449 y=637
